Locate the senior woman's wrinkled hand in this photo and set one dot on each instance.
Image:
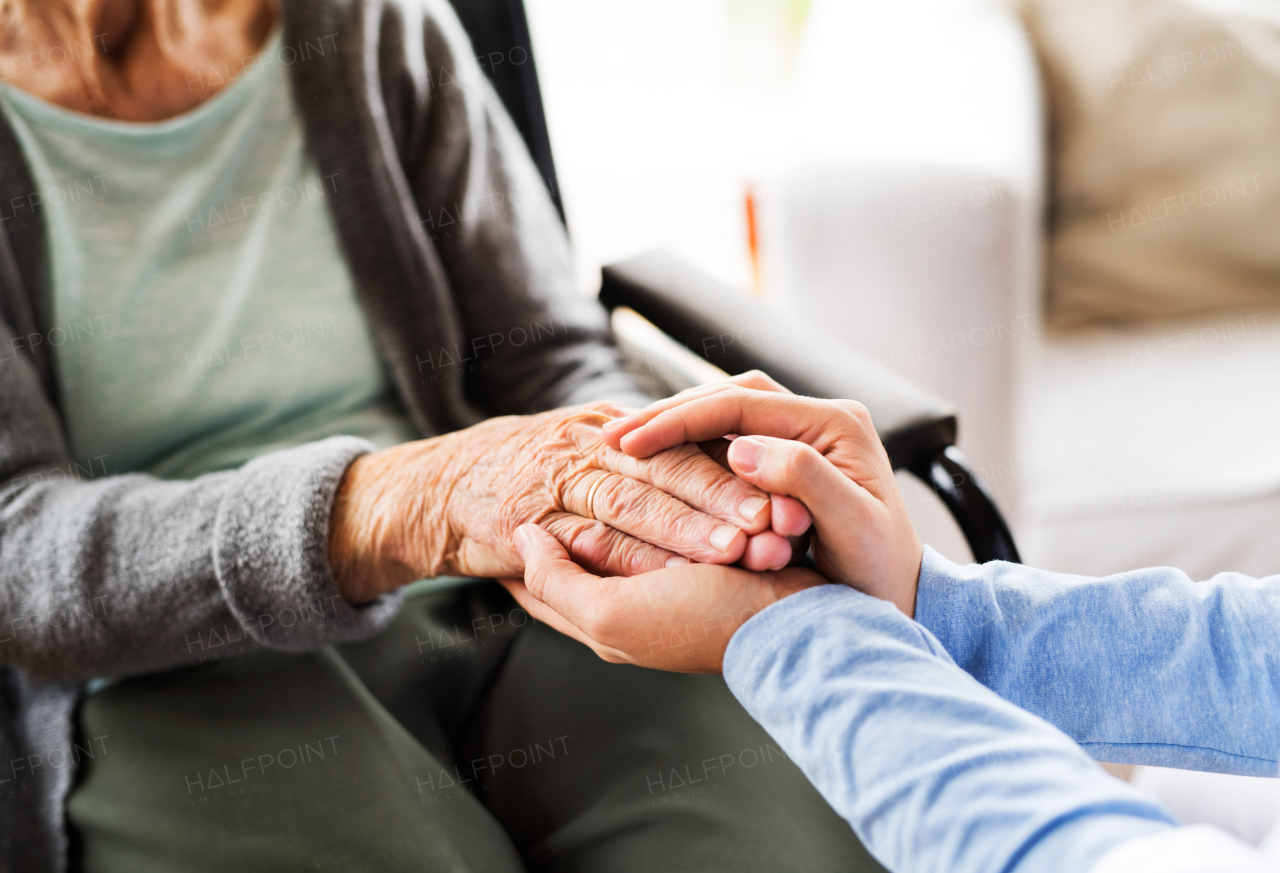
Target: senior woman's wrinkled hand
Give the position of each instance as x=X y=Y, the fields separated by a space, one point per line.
x=450 y=505
x=678 y=619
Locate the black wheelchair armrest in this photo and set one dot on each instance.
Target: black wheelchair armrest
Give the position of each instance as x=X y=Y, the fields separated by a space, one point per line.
x=738 y=333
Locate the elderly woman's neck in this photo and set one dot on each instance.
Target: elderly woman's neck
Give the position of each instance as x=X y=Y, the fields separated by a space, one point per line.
x=134 y=60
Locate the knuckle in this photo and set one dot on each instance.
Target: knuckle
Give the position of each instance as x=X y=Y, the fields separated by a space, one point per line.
x=789 y=466
x=595 y=546
x=580 y=425
x=661 y=517
x=607 y=407
x=796 y=462
x=857 y=411
x=584 y=539
x=633 y=556
x=638 y=562
x=681 y=466
x=759 y=380
x=724 y=490
x=678 y=525
x=617 y=497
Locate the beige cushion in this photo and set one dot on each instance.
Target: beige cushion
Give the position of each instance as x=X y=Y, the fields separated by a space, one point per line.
x=1165 y=156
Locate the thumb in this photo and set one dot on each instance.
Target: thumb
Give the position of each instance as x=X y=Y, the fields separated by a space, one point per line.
x=548 y=570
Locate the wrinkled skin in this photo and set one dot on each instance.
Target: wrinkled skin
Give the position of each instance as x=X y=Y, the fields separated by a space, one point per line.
x=132 y=60
x=823 y=453
x=451 y=505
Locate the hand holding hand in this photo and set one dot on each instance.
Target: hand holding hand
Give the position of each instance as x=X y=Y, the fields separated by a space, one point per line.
x=451 y=504
x=824 y=453
x=678 y=619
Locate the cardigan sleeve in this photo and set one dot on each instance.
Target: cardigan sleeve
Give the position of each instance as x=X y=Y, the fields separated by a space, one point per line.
x=107 y=575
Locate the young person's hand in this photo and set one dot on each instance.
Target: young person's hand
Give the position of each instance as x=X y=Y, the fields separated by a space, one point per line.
x=824 y=453
x=789 y=519
x=679 y=619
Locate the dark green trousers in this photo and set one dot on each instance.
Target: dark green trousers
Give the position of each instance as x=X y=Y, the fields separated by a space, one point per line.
x=465 y=737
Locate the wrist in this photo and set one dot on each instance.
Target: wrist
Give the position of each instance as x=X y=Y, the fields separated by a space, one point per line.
x=371 y=550
x=353 y=558
x=778 y=586
x=894 y=577
x=909 y=588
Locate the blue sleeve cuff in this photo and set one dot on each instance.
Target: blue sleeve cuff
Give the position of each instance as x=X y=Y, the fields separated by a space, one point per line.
x=944 y=586
x=957 y=603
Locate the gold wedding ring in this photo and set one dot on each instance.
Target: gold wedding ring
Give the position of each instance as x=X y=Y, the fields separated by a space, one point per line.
x=591 y=496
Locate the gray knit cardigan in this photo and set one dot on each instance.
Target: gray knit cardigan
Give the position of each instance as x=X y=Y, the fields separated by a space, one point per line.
x=463 y=270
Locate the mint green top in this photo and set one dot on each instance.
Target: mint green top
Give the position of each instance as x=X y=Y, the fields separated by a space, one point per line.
x=202 y=311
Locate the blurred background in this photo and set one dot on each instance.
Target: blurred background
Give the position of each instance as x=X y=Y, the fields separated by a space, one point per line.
x=664 y=114
x=1060 y=215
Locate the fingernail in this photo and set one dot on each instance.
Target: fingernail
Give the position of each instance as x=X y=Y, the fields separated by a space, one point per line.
x=676 y=561
x=722 y=536
x=751 y=507
x=615 y=423
x=746 y=453
x=523 y=540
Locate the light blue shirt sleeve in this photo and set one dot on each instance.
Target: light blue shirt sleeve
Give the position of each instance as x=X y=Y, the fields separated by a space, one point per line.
x=933 y=771
x=1146 y=667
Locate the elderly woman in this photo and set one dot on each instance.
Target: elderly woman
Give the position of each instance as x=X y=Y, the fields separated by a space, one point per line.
x=265 y=273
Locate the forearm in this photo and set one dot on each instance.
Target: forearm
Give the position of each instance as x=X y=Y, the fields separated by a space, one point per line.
x=1145 y=667
x=933 y=771
x=129 y=573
